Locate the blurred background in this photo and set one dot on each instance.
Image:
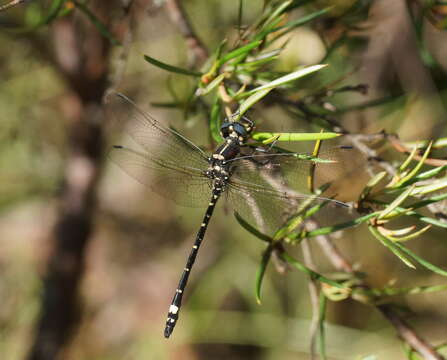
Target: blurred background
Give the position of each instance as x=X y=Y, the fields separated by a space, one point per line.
x=124 y=246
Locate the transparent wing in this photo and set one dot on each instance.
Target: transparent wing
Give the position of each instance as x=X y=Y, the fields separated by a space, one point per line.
x=186 y=185
x=262 y=196
x=293 y=169
x=162 y=143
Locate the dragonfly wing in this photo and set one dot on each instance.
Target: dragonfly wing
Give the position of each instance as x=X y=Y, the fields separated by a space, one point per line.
x=293 y=169
x=265 y=200
x=162 y=143
x=187 y=186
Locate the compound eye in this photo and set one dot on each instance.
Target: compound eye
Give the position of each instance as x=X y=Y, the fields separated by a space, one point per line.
x=240 y=129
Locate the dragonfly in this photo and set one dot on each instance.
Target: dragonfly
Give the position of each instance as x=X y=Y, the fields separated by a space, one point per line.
x=256 y=182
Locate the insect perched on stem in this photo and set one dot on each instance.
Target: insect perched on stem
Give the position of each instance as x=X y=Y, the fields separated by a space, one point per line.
x=256 y=183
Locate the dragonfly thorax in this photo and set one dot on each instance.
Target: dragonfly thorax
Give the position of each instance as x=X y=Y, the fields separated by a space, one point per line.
x=218 y=171
x=237 y=130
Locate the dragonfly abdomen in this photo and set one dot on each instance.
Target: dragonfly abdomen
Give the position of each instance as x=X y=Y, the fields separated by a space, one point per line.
x=174 y=309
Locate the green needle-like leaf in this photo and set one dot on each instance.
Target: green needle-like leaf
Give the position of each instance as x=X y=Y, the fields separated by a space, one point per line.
x=421 y=261
x=430 y=173
x=267 y=136
x=331 y=229
x=287 y=78
x=250 y=101
x=171 y=68
x=441 y=184
x=416 y=169
x=251 y=229
x=313 y=275
x=408 y=160
x=399 y=200
x=261 y=271
x=391 y=245
x=243 y=50
x=275 y=15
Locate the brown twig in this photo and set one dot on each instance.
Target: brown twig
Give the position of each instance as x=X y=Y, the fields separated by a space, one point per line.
x=180 y=19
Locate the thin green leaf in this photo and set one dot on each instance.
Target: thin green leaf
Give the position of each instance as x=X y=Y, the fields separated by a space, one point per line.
x=249 y=67
x=268 y=55
x=431 y=200
x=275 y=14
x=430 y=173
x=171 y=68
x=429 y=220
x=394 y=247
x=290 y=26
x=331 y=229
x=396 y=202
x=219 y=49
x=441 y=184
x=417 y=205
x=99 y=25
x=408 y=160
x=286 y=78
x=261 y=271
x=421 y=261
x=266 y=136
x=289 y=227
x=313 y=275
x=251 y=229
x=244 y=50
x=305 y=19
x=250 y=101
x=416 y=168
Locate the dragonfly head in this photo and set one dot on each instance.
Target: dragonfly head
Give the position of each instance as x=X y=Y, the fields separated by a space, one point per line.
x=241 y=128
